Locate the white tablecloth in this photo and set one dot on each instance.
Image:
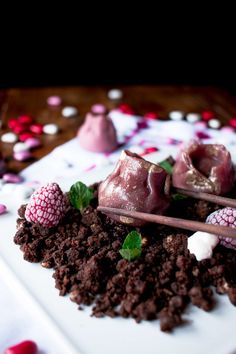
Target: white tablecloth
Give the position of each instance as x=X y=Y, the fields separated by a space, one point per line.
x=69 y=161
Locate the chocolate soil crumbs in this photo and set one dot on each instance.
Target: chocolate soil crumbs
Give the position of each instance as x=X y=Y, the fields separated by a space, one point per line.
x=84 y=252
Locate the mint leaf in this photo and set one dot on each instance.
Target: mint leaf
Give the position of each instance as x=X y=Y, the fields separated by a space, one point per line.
x=178 y=196
x=80 y=195
x=132 y=240
x=167 y=166
x=132 y=246
x=130 y=254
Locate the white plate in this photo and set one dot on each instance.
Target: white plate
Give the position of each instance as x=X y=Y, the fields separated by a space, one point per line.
x=80 y=333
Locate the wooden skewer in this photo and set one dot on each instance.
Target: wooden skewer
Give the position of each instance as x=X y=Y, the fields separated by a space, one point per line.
x=228 y=202
x=174 y=222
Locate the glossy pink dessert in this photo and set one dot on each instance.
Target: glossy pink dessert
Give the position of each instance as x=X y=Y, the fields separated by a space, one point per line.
x=98 y=133
x=135 y=184
x=204 y=167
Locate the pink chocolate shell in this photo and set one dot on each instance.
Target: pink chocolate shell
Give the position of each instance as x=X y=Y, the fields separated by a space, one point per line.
x=135 y=185
x=204 y=168
x=98 y=133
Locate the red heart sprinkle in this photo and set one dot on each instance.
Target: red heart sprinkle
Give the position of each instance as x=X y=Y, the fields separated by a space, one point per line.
x=207 y=115
x=232 y=122
x=24 y=136
x=125 y=108
x=12 y=123
x=25 y=347
x=151 y=115
x=24 y=119
x=19 y=128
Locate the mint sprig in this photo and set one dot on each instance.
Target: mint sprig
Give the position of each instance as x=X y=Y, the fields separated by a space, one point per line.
x=80 y=195
x=178 y=196
x=167 y=166
x=132 y=246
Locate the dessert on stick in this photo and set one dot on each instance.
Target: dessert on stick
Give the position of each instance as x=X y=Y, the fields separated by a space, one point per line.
x=135 y=185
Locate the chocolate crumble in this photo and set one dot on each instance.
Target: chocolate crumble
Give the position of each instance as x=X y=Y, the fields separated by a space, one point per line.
x=84 y=248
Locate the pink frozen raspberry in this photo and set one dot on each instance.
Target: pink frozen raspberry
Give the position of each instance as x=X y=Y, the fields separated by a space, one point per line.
x=224 y=217
x=47 y=206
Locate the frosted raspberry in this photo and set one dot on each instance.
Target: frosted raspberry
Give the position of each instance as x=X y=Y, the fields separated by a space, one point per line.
x=46 y=206
x=224 y=217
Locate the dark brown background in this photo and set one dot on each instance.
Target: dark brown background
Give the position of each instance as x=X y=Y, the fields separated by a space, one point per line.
x=155 y=75
x=144 y=98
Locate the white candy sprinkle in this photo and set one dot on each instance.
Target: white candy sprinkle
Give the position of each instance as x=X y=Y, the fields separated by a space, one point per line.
x=19 y=147
x=50 y=129
x=201 y=244
x=9 y=138
x=69 y=111
x=24 y=192
x=193 y=117
x=176 y=115
x=115 y=94
x=214 y=123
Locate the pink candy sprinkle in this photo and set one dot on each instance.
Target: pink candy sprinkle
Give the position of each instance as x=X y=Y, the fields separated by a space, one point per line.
x=54 y=101
x=142 y=124
x=171 y=141
x=142 y=142
x=36 y=128
x=33 y=143
x=200 y=125
x=3 y=209
x=90 y=168
x=150 y=149
x=98 y=109
x=227 y=129
x=11 y=178
x=22 y=155
x=202 y=135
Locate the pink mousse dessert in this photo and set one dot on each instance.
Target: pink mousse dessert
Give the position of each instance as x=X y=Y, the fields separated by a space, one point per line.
x=98 y=133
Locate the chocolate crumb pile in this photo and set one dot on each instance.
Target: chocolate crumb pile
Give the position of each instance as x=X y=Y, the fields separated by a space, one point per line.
x=84 y=252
